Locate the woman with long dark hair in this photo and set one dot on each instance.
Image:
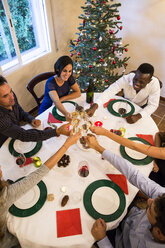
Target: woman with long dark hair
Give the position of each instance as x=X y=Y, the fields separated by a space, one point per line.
x=57 y=88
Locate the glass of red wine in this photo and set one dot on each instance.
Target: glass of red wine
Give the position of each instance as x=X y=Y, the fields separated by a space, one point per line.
x=83 y=169
x=20 y=159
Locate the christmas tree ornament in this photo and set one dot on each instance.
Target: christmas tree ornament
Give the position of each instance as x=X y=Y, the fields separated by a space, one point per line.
x=126 y=49
x=106 y=80
x=78 y=53
x=121 y=27
x=71 y=54
x=118 y=18
x=111 y=31
x=90 y=66
x=101 y=60
x=114 y=62
x=78 y=40
x=83 y=23
x=94 y=48
x=100 y=38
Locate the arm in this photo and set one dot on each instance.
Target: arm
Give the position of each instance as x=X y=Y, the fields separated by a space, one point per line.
x=112 y=90
x=153 y=99
x=14 y=131
x=19 y=188
x=152 y=151
x=147 y=186
x=75 y=94
x=99 y=233
x=55 y=98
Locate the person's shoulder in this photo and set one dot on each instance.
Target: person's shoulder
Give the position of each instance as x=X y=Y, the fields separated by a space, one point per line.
x=50 y=80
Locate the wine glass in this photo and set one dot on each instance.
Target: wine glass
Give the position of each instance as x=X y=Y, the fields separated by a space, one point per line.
x=20 y=159
x=83 y=169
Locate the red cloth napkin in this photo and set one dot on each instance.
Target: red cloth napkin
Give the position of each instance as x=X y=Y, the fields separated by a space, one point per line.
x=147 y=137
x=120 y=180
x=68 y=222
x=52 y=119
x=28 y=161
x=106 y=103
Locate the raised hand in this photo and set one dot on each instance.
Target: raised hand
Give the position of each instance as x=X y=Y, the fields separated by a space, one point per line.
x=64 y=129
x=98 y=130
x=72 y=139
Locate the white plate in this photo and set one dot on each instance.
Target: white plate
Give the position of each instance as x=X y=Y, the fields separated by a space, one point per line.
x=29 y=199
x=105 y=200
x=24 y=147
x=68 y=106
x=134 y=154
x=124 y=105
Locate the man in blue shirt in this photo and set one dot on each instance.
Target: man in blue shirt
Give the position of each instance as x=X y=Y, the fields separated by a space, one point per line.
x=140 y=228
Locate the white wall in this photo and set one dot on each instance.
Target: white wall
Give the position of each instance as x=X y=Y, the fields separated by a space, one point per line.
x=143 y=28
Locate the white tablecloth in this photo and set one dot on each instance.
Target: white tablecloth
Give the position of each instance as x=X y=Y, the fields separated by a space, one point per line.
x=39 y=230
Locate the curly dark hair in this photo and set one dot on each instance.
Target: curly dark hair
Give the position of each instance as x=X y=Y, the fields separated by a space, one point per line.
x=2 y=80
x=160 y=213
x=146 y=69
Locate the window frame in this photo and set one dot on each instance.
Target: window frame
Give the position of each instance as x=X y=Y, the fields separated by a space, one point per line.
x=34 y=53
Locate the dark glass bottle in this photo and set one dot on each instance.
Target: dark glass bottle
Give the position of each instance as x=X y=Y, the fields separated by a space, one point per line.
x=90 y=92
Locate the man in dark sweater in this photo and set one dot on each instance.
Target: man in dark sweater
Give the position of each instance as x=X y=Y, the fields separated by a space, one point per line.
x=11 y=114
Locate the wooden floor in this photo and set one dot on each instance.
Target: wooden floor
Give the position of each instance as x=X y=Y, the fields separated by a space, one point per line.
x=159 y=116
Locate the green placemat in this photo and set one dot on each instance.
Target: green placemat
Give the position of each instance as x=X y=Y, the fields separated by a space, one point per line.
x=112 y=111
x=35 y=208
x=144 y=161
x=87 y=199
x=27 y=154
x=61 y=117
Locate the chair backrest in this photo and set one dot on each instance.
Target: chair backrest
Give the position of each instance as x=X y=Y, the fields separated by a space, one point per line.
x=36 y=80
x=160 y=82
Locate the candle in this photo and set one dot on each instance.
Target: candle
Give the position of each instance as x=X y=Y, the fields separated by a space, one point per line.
x=63 y=189
x=98 y=124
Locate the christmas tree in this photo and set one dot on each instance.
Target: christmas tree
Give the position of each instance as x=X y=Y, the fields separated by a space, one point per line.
x=98 y=52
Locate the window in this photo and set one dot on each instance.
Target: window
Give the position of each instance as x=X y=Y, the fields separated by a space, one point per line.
x=23 y=32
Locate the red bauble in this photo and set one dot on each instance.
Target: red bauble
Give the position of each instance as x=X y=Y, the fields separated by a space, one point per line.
x=114 y=62
x=78 y=40
x=90 y=66
x=111 y=31
x=84 y=21
x=101 y=60
x=113 y=49
x=118 y=18
x=126 y=49
x=78 y=53
x=94 y=48
x=121 y=27
x=106 y=80
x=71 y=55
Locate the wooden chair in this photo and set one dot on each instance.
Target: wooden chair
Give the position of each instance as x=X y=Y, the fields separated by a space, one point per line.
x=36 y=80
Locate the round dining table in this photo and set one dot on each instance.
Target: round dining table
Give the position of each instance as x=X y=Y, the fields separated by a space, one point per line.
x=89 y=196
